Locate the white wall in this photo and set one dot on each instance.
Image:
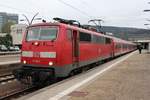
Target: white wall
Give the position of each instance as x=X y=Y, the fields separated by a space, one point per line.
x=17 y=33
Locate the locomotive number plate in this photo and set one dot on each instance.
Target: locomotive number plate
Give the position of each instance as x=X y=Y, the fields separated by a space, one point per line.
x=36 y=54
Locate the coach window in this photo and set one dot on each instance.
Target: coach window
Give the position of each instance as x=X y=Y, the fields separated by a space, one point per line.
x=116 y=46
x=119 y=45
x=101 y=40
x=69 y=34
x=85 y=37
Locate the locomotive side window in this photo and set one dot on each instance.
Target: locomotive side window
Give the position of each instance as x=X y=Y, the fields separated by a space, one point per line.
x=108 y=41
x=41 y=33
x=101 y=40
x=69 y=34
x=85 y=37
x=94 y=39
x=119 y=45
x=98 y=39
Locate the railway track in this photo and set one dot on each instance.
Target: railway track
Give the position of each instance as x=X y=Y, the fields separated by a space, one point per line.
x=6 y=69
x=18 y=89
x=6 y=78
x=10 y=88
x=10 y=53
x=15 y=94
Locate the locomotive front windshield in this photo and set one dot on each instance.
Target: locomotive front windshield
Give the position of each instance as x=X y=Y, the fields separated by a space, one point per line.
x=41 y=33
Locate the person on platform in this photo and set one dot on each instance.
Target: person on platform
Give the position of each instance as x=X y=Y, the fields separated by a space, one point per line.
x=140 y=49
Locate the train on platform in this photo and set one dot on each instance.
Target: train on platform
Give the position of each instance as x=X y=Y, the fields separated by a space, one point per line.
x=59 y=49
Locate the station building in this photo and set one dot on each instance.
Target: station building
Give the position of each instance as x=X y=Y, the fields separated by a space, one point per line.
x=7 y=17
x=17 y=31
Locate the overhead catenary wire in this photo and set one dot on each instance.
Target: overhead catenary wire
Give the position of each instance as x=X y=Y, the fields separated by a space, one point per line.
x=87 y=4
x=77 y=9
x=20 y=10
x=61 y=1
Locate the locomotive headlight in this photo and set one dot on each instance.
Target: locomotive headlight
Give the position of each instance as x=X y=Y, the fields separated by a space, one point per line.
x=50 y=63
x=24 y=62
x=36 y=43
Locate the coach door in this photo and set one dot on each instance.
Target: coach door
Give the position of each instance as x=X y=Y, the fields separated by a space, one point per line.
x=113 y=48
x=75 y=42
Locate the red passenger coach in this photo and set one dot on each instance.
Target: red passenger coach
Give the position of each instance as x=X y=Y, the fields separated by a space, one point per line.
x=51 y=50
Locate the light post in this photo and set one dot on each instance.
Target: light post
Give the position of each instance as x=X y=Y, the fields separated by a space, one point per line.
x=147 y=25
x=147 y=10
x=148 y=19
x=26 y=19
x=33 y=18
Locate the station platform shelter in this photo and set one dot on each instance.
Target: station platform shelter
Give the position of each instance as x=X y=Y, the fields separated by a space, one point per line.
x=145 y=44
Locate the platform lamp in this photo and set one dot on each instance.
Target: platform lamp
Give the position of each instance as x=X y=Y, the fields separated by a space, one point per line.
x=148 y=19
x=147 y=25
x=147 y=10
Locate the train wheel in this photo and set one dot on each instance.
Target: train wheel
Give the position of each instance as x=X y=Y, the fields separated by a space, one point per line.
x=72 y=73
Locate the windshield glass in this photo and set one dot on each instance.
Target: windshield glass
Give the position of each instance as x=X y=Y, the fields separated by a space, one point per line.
x=41 y=33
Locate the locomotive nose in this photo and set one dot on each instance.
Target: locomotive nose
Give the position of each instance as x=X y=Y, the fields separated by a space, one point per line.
x=39 y=58
x=39 y=53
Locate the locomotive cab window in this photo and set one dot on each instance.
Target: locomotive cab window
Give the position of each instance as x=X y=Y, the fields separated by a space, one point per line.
x=41 y=33
x=85 y=37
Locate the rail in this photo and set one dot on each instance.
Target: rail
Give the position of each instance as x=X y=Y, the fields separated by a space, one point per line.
x=17 y=93
x=6 y=78
x=10 y=52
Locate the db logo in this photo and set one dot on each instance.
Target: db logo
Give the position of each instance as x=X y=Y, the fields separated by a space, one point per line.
x=36 y=54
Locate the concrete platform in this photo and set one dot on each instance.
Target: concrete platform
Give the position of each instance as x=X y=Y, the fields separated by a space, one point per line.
x=9 y=59
x=129 y=80
x=125 y=78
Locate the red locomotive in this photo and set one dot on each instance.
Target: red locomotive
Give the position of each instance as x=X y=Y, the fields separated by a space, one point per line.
x=59 y=49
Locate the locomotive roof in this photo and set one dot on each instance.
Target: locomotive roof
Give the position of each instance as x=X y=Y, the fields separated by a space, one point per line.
x=83 y=30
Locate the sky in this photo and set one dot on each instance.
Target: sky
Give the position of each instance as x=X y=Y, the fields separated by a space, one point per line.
x=122 y=13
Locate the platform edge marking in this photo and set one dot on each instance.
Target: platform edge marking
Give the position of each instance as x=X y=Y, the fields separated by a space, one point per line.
x=69 y=90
